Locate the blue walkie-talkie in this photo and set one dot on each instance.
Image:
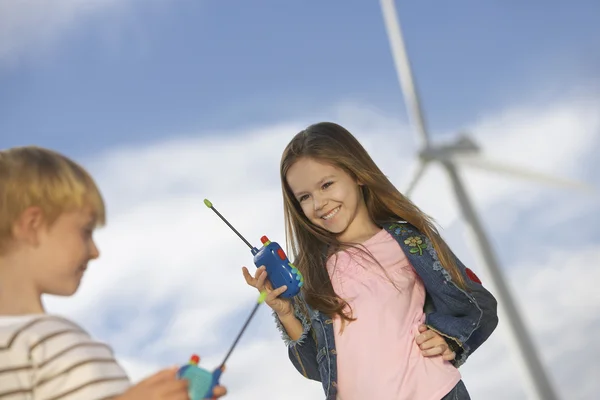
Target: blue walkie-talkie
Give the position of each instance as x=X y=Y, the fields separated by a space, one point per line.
x=280 y=271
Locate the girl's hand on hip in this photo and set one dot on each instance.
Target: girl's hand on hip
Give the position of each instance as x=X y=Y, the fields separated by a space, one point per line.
x=433 y=344
x=282 y=307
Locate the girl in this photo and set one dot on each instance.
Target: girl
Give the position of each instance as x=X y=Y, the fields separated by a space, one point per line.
x=375 y=272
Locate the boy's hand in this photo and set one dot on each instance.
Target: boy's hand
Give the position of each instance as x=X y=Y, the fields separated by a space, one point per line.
x=433 y=344
x=164 y=385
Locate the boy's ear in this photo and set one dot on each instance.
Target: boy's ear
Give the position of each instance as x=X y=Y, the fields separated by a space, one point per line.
x=27 y=227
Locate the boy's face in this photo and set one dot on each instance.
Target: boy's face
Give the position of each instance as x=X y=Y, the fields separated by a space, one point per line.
x=62 y=253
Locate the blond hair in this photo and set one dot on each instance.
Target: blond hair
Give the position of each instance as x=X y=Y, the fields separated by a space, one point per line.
x=31 y=176
x=331 y=143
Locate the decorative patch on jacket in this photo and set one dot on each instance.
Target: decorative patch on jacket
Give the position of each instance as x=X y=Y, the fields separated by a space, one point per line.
x=472 y=276
x=416 y=245
x=400 y=229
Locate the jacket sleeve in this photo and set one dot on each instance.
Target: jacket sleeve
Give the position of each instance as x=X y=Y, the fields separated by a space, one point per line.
x=488 y=305
x=303 y=351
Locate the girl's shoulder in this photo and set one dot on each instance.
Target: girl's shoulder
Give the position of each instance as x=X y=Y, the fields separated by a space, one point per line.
x=403 y=230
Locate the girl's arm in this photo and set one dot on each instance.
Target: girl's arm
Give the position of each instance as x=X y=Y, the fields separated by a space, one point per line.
x=488 y=322
x=489 y=308
x=296 y=332
x=292 y=326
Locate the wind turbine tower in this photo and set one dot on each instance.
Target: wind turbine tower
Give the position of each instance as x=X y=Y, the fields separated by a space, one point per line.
x=464 y=151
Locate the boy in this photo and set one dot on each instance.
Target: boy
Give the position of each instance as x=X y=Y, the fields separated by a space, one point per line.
x=49 y=208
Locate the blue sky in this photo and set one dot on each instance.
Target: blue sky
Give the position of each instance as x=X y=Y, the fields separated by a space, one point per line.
x=168 y=103
x=143 y=70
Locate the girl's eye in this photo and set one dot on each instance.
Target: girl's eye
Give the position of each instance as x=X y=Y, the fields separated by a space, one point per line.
x=326 y=185
x=302 y=198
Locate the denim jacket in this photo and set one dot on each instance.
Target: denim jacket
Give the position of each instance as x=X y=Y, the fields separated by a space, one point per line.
x=465 y=318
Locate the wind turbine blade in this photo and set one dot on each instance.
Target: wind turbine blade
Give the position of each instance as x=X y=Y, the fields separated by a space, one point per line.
x=417 y=173
x=521 y=173
x=403 y=69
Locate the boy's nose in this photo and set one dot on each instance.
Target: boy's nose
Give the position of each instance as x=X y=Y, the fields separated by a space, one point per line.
x=94 y=252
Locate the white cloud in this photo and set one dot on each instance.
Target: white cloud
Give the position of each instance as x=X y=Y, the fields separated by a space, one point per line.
x=561 y=305
x=27 y=25
x=169 y=281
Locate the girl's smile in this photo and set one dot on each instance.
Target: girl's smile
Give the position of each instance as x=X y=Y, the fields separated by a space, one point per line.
x=331 y=214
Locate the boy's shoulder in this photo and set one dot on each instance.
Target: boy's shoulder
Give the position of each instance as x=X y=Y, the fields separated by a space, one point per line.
x=45 y=337
x=55 y=355
x=45 y=340
x=32 y=330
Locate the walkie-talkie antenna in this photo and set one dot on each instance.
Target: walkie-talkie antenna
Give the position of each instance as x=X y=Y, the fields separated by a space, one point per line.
x=209 y=205
x=261 y=299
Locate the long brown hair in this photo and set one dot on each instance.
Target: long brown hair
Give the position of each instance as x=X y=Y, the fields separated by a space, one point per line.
x=309 y=244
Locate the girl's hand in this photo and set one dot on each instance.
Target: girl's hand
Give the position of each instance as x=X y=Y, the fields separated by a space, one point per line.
x=282 y=307
x=433 y=344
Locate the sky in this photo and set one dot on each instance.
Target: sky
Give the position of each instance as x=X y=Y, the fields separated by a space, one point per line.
x=168 y=103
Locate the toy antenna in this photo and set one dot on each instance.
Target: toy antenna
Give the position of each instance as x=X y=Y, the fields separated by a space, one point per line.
x=261 y=298
x=209 y=205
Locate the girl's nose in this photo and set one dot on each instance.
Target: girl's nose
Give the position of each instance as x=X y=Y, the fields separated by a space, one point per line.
x=319 y=203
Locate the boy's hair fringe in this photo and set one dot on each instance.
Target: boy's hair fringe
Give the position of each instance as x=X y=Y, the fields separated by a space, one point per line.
x=32 y=176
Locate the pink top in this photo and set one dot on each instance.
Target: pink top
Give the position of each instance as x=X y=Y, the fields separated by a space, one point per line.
x=377 y=355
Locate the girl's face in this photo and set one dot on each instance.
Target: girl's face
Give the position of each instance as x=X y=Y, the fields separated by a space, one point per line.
x=330 y=198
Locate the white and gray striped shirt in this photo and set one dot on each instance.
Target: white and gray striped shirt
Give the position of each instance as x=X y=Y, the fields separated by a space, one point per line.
x=45 y=357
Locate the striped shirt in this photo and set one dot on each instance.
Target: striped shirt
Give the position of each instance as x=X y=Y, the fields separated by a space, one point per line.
x=44 y=357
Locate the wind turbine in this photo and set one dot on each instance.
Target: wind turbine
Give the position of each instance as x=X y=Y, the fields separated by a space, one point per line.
x=464 y=151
